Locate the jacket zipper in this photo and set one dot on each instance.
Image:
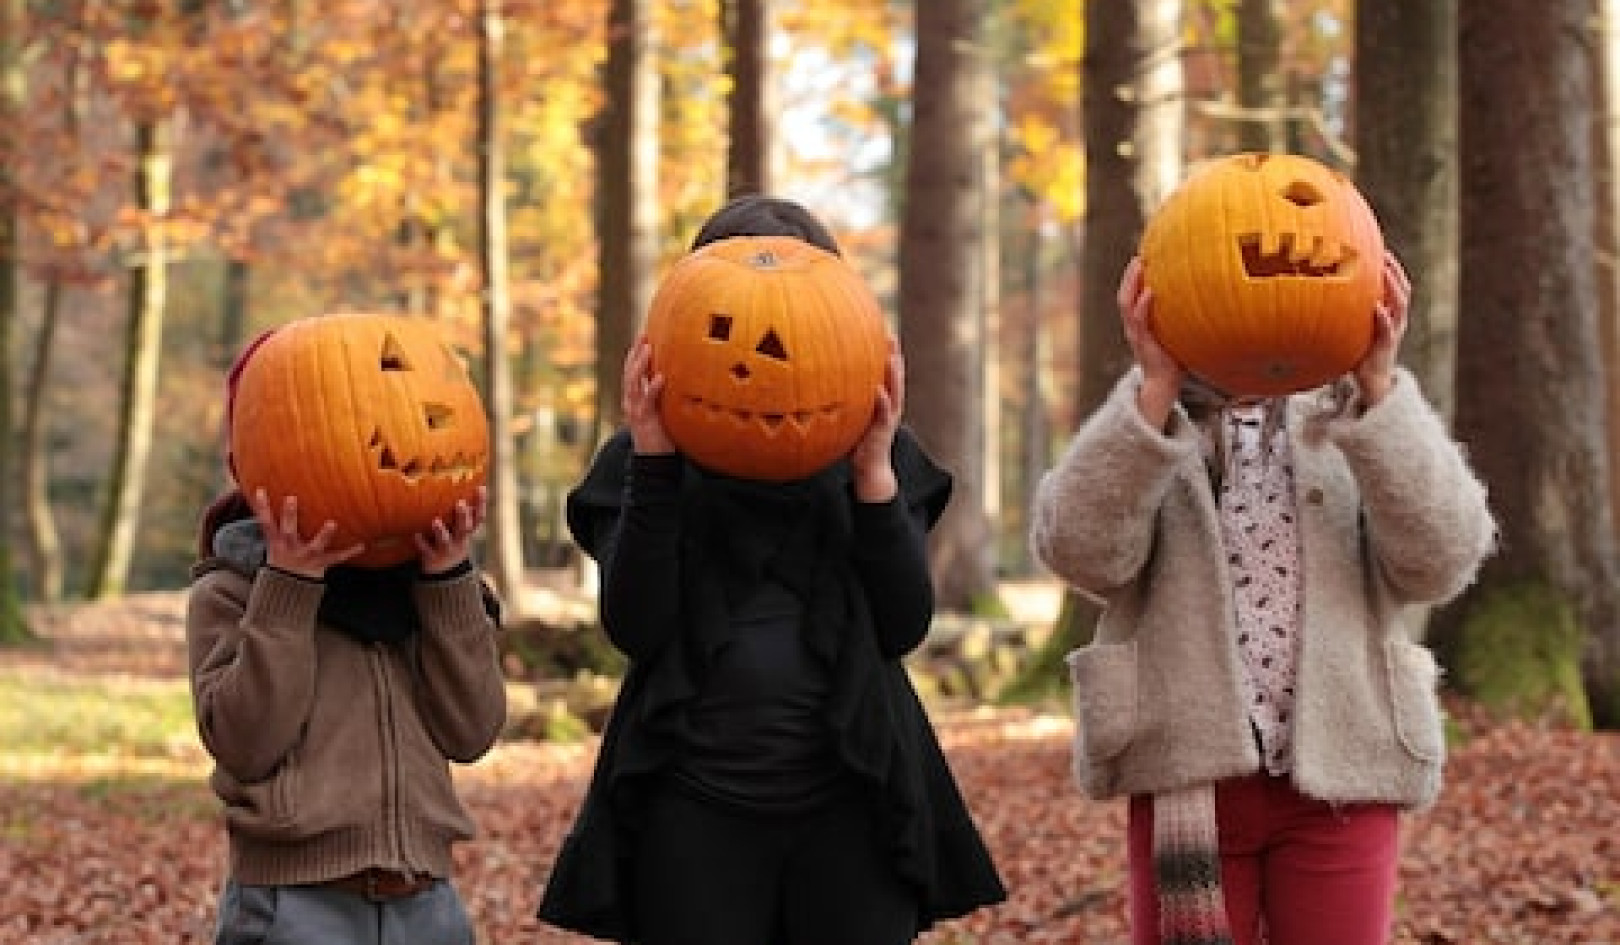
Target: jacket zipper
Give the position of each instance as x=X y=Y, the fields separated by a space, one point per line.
x=392 y=788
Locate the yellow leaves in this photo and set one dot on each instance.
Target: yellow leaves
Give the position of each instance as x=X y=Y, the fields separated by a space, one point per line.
x=144 y=71
x=1047 y=166
x=133 y=62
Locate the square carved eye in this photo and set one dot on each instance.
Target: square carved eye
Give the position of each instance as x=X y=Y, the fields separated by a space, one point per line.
x=719 y=327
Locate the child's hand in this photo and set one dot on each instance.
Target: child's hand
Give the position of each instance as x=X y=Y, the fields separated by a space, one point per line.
x=1161 y=374
x=1376 y=372
x=443 y=547
x=286 y=550
x=873 y=468
x=1136 y=312
x=640 y=401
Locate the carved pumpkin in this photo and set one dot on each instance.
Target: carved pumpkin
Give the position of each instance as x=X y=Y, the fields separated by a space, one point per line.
x=370 y=420
x=1265 y=269
x=772 y=351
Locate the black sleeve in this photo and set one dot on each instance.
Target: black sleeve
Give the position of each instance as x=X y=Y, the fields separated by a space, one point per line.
x=891 y=561
x=626 y=515
x=891 y=548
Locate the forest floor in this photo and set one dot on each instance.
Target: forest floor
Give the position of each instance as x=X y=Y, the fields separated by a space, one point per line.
x=109 y=835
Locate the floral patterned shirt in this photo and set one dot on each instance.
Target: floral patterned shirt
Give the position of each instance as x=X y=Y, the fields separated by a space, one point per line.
x=1261 y=537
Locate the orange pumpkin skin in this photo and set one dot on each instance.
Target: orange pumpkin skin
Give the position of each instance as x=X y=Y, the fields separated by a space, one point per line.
x=772 y=352
x=1265 y=270
x=370 y=420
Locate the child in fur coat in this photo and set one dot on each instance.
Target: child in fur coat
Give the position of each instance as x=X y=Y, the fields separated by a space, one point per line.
x=1255 y=686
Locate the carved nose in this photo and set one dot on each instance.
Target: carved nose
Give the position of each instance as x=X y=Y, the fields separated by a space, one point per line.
x=740 y=371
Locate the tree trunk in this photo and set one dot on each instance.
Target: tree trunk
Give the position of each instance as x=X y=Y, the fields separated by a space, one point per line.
x=233 y=313
x=941 y=273
x=1406 y=165
x=148 y=289
x=13 y=94
x=44 y=545
x=504 y=537
x=1605 y=153
x=1134 y=112
x=1262 y=93
x=1034 y=434
x=751 y=111
x=1530 y=376
x=627 y=195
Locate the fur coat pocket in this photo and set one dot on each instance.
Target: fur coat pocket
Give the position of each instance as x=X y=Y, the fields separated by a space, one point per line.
x=1414 y=682
x=1104 y=679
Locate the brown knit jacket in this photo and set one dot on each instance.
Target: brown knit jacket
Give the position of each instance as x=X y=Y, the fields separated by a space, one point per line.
x=1390 y=519
x=333 y=755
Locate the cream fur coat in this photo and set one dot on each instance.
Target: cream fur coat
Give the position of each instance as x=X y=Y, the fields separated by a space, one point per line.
x=1391 y=519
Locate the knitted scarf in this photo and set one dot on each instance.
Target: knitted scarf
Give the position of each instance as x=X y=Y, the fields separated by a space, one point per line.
x=1186 y=843
x=1187 y=868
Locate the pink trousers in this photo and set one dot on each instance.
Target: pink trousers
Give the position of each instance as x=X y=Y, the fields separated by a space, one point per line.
x=1294 y=871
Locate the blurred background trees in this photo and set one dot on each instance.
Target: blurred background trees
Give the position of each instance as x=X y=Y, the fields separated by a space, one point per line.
x=178 y=176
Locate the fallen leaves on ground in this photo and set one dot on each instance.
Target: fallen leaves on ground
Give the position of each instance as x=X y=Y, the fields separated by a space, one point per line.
x=1523 y=847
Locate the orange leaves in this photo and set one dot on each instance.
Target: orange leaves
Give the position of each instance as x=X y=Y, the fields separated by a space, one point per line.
x=1521 y=849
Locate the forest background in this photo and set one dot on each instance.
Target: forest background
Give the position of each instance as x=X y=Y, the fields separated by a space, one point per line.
x=179 y=175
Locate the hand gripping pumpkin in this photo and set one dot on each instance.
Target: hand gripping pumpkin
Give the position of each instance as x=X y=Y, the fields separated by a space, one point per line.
x=370 y=420
x=1265 y=269
x=772 y=352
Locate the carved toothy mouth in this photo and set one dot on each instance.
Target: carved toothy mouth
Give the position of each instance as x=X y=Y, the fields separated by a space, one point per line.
x=1289 y=256
x=458 y=468
x=774 y=422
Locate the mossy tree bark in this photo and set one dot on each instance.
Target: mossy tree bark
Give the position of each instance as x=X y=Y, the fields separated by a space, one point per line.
x=1530 y=374
x=13 y=13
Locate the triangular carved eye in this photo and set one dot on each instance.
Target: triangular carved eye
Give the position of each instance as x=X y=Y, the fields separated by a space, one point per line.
x=719 y=327
x=771 y=346
x=393 y=355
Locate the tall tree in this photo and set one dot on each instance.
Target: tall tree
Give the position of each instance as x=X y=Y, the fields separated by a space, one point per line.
x=13 y=92
x=1261 y=93
x=1406 y=163
x=147 y=294
x=941 y=285
x=44 y=544
x=504 y=537
x=1530 y=378
x=747 y=26
x=627 y=197
x=1134 y=110
x=1606 y=239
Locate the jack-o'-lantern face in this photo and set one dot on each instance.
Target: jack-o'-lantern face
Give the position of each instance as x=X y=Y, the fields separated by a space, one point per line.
x=370 y=420
x=772 y=351
x=1265 y=270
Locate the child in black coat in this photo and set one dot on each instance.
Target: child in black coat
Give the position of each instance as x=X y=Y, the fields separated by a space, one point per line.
x=768 y=774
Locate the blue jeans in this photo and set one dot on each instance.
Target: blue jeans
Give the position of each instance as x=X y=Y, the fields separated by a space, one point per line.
x=300 y=915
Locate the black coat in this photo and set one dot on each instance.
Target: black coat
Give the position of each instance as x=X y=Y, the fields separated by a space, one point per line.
x=882 y=731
